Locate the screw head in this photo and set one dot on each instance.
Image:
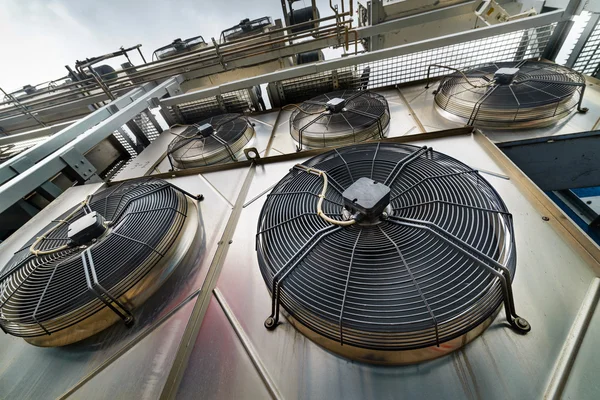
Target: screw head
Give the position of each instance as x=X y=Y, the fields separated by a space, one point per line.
x=522 y=324
x=545 y=218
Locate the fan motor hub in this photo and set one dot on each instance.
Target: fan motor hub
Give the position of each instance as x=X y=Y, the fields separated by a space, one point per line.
x=505 y=76
x=335 y=105
x=87 y=228
x=205 y=130
x=367 y=198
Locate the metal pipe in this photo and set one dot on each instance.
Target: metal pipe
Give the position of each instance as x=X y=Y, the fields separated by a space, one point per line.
x=126 y=78
x=141 y=55
x=346 y=34
x=24 y=109
x=107 y=56
x=355 y=33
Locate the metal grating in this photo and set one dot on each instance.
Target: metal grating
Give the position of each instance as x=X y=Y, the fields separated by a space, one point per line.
x=237 y=101
x=146 y=126
x=514 y=46
x=588 y=60
x=117 y=134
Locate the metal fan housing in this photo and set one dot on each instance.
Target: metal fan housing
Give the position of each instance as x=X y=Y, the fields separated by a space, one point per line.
x=510 y=95
x=339 y=118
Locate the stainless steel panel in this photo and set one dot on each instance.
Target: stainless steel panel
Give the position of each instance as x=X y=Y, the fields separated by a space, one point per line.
x=550 y=283
x=219 y=367
x=141 y=372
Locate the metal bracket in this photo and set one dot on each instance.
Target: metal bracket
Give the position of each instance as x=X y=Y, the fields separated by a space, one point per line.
x=153 y=102
x=21 y=165
x=335 y=79
x=221 y=103
x=78 y=164
x=252 y=153
x=173 y=89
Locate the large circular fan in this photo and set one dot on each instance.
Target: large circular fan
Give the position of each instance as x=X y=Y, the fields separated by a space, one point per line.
x=410 y=256
x=98 y=261
x=214 y=140
x=511 y=95
x=341 y=117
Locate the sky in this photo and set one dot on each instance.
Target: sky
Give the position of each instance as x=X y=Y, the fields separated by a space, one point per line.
x=39 y=37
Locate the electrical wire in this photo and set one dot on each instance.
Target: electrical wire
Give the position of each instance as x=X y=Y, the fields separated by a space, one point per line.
x=302 y=110
x=320 y=212
x=38 y=253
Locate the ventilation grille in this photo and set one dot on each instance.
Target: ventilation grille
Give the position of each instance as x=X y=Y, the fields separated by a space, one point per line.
x=238 y=101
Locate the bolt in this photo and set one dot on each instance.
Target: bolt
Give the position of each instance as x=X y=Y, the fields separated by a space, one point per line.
x=270 y=323
x=77 y=166
x=231 y=241
x=384 y=215
x=589 y=202
x=94 y=240
x=545 y=218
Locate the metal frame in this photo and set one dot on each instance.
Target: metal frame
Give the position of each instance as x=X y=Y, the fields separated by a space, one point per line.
x=540 y=20
x=75 y=140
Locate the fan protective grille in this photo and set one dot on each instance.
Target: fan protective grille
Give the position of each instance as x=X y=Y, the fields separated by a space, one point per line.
x=365 y=116
x=421 y=277
x=44 y=294
x=540 y=94
x=231 y=133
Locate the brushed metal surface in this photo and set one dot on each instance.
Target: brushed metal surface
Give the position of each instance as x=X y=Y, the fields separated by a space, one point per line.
x=499 y=364
x=583 y=382
x=141 y=372
x=219 y=367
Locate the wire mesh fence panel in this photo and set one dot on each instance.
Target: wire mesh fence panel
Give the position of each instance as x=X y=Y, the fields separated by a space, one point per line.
x=588 y=60
x=237 y=101
x=513 y=46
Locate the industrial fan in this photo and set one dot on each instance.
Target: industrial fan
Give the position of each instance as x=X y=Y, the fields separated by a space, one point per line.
x=214 y=140
x=96 y=263
x=340 y=117
x=523 y=94
x=387 y=253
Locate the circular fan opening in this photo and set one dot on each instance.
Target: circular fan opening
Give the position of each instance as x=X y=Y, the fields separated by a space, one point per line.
x=79 y=275
x=423 y=270
x=524 y=94
x=339 y=118
x=214 y=140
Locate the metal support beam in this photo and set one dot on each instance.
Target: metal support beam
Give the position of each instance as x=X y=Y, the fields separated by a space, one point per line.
x=12 y=191
x=562 y=30
x=34 y=134
x=60 y=139
x=307 y=69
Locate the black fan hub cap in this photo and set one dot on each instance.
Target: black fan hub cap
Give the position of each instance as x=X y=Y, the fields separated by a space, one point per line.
x=335 y=105
x=366 y=199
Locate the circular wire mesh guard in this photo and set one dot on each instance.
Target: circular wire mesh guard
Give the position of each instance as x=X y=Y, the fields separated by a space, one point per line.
x=438 y=267
x=190 y=149
x=539 y=95
x=365 y=116
x=44 y=294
